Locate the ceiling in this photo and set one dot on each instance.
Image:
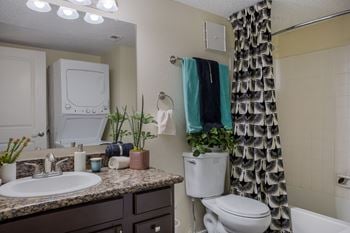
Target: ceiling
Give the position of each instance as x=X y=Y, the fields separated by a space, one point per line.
x=285 y=13
x=19 y=24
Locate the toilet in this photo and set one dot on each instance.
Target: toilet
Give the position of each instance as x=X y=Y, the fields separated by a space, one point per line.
x=205 y=179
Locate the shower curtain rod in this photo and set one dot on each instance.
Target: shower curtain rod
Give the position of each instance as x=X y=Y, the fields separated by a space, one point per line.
x=173 y=59
x=312 y=22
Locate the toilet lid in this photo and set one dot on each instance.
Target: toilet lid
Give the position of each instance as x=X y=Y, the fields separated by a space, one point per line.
x=242 y=206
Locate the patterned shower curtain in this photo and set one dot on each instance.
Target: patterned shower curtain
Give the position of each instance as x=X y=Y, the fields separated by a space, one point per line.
x=257 y=167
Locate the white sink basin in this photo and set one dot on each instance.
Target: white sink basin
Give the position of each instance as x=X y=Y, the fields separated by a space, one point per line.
x=66 y=183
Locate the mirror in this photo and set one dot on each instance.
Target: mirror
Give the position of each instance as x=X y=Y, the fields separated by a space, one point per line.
x=60 y=78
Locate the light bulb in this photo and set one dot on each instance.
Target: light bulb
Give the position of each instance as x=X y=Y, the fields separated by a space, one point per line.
x=107 y=5
x=38 y=5
x=93 y=18
x=67 y=13
x=81 y=2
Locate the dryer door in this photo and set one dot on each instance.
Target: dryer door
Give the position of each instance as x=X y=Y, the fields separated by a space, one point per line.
x=85 y=88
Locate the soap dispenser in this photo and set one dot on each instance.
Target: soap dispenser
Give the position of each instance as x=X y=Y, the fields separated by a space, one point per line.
x=80 y=159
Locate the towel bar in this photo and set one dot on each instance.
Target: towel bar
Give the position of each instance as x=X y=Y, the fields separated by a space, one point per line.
x=173 y=59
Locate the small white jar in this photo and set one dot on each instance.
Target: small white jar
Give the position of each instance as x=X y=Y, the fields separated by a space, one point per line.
x=8 y=172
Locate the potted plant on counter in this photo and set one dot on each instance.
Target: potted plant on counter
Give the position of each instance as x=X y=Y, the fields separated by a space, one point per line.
x=117 y=147
x=139 y=157
x=117 y=120
x=215 y=140
x=9 y=156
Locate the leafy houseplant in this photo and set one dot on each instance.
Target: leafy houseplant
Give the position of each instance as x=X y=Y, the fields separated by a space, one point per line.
x=139 y=157
x=9 y=156
x=117 y=120
x=204 y=142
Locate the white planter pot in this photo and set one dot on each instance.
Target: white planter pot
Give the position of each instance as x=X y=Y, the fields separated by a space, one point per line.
x=8 y=172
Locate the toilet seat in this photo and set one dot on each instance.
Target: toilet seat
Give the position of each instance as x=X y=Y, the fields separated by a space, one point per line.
x=242 y=206
x=236 y=214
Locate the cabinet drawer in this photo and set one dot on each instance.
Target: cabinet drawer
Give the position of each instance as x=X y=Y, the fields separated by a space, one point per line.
x=148 y=201
x=159 y=225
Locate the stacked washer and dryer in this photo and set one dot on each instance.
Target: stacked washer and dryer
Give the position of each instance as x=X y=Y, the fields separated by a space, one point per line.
x=78 y=102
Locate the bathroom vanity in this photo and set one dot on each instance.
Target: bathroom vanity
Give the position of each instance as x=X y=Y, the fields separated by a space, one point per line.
x=125 y=201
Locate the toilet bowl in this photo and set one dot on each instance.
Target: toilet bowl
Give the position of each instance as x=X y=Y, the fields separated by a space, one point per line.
x=235 y=214
x=205 y=179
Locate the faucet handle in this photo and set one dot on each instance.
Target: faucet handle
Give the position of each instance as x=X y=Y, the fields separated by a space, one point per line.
x=58 y=165
x=36 y=167
x=37 y=172
x=51 y=157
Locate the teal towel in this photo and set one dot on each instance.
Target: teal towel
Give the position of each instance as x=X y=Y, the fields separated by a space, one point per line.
x=225 y=105
x=191 y=95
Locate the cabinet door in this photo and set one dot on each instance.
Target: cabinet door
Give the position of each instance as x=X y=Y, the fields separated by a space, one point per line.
x=102 y=228
x=23 y=96
x=157 y=225
x=117 y=229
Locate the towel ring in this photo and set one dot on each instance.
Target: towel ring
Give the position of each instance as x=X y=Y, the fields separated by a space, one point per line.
x=162 y=96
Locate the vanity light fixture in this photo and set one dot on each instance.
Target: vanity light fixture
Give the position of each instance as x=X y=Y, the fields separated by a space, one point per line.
x=38 y=5
x=95 y=10
x=67 y=13
x=81 y=2
x=107 y=5
x=93 y=19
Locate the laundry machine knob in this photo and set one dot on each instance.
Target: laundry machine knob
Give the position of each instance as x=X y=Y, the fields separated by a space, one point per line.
x=87 y=110
x=68 y=106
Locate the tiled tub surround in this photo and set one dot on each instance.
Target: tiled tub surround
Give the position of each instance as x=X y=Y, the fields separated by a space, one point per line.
x=115 y=183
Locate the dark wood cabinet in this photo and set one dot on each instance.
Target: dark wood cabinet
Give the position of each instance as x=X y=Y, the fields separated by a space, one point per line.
x=148 y=201
x=160 y=225
x=144 y=212
x=111 y=230
x=114 y=229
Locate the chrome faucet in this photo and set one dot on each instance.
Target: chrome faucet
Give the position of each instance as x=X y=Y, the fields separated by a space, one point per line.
x=50 y=163
x=58 y=170
x=38 y=173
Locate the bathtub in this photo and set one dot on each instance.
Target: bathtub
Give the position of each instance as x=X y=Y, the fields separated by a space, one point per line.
x=304 y=221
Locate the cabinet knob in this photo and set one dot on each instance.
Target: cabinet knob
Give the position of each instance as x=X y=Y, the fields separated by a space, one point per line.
x=156 y=228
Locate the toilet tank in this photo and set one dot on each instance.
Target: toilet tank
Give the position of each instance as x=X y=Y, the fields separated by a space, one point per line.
x=205 y=174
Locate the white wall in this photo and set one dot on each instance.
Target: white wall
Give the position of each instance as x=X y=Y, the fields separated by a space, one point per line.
x=164 y=28
x=123 y=76
x=167 y=28
x=53 y=55
x=314 y=115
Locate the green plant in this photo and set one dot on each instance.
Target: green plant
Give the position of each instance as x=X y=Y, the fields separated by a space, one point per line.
x=117 y=120
x=217 y=137
x=137 y=122
x=123 y=133
x=13 y=150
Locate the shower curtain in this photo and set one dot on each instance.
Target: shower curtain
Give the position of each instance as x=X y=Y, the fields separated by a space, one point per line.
x=257 y=167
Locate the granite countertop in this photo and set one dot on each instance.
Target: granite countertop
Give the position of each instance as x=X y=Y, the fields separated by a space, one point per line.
x=114 y=184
